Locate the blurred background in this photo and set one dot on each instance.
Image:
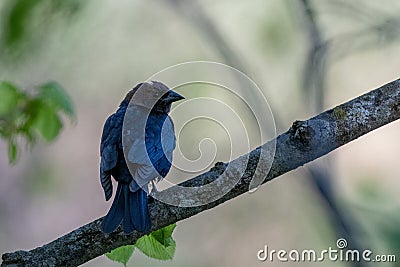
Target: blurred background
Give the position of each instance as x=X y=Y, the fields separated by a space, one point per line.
x=306 y=56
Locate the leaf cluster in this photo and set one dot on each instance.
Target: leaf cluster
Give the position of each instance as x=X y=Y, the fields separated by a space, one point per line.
x=158 y=245
x=32 y=116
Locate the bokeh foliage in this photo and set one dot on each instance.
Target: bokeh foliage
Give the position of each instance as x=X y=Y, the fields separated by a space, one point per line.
x=25 y=23
x=32 y=116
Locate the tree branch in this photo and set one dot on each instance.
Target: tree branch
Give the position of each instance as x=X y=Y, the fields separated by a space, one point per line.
x=305 y=141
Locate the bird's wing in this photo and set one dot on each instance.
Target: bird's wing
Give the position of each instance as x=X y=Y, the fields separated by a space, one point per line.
x=164 y=149
x=109 y=151
x=152 y=156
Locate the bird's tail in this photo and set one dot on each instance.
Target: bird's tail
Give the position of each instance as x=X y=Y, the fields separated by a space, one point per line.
x=130 y=208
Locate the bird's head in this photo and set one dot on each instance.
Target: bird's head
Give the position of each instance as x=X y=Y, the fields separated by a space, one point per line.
x=152 y=95
x=163 y=105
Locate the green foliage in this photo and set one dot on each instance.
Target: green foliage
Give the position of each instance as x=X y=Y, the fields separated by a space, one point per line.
x=158 y=245
x=9 y=96
x=16 y=19
x=45 y=120
x=53 y=94
x=25 y=23
x=121 y=254
x=25 y=116
x=12 y=151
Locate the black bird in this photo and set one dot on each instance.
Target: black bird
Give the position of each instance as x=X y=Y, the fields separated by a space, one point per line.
x=149 y=141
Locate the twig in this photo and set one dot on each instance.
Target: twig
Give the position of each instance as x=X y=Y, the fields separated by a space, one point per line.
x=315 y=68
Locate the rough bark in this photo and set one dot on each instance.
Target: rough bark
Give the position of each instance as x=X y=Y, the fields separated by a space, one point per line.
x=305 y=141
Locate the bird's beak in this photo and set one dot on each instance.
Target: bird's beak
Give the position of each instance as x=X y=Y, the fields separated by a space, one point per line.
x=173 y=96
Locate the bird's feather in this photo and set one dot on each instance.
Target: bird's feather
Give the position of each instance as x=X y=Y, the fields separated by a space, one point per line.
x=116 y=212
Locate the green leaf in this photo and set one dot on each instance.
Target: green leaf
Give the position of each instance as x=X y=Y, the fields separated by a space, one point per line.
x=15 y=23
x=46 y=121
x=9 y=95
x=159 y=244
x=55 y=95
x=121 y=254
x=12 y=151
